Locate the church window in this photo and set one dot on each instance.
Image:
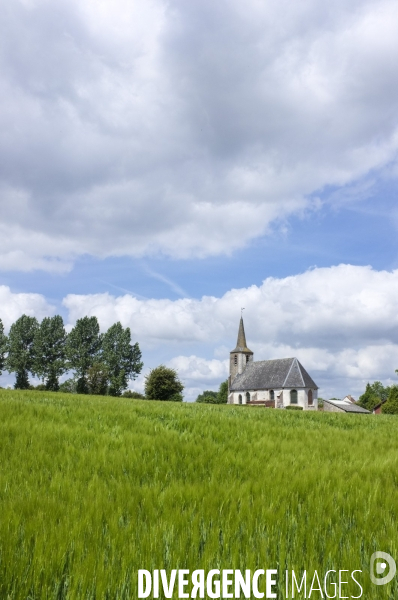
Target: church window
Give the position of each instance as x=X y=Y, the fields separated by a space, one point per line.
x=236 y=359
x=272 y=395
x=247 y=397
x=247 y=358
x=240 y=398
x=310 y=398
x=293 y=396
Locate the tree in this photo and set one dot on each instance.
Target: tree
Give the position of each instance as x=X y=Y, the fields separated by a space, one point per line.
x=121 y=358
x=222 y=396
x=20 y=359
x=3 y=347
x=162 y=383
x=82 y=347
x=374 y=394
x=391 y=406
x=49 y=351
x=97 y=379
x=207 y=397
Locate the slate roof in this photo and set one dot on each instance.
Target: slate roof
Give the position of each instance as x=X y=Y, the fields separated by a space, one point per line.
x=269 y=374
x=241 y=345
x=348 y=406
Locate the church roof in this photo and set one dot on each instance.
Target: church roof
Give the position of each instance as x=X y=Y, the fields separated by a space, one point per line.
x=241 y=345
x=269 y=374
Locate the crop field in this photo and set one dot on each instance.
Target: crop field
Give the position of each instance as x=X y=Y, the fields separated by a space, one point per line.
x=94 y=488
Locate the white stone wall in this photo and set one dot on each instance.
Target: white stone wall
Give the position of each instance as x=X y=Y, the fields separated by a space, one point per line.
x=280 y=396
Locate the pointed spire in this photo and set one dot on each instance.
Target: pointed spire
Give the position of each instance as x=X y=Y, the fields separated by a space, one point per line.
x=241 y=345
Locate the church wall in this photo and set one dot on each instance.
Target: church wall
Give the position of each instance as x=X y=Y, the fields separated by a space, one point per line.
x=282 y=397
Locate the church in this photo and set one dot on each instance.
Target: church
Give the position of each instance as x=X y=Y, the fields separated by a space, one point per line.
x=274 y=383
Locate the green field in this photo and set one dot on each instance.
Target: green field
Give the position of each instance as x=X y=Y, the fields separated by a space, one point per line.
x=94 y=488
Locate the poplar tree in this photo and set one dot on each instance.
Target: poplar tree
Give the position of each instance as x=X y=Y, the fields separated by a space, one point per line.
x=121 y=358
x=3 y=347
x=20 y=359
x=82 y=348
x=49 y=351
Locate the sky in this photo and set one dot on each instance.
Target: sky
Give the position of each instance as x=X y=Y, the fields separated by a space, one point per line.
x=166 y=164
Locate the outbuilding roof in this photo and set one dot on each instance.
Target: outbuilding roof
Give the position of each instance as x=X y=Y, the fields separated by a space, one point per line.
x=348 y=406
x=269 y=374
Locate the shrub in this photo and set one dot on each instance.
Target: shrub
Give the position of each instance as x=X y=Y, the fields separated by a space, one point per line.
x=69 y=386
x=162 y=383
x=294 y=407
x=207 y=397
x=131 y=394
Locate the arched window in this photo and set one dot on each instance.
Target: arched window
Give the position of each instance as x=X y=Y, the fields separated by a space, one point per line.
x=236 y=359
x=240 y=398
x=310 y=398
x=293 y=396
x=272 y=395
x=247 y=358
x=247 y=397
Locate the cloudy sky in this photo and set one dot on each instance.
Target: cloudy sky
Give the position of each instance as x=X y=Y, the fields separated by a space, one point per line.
x=166 y=163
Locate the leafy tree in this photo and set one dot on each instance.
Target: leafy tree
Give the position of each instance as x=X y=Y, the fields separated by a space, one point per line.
x=121 y=358
x=3 y=347
x=222 y=396
x=373 y=395
x=82 y=348
x=163 y=383
x=97 y=379
x=207 y=397
x=20 y=359
x=49 y=351
x=391 y=406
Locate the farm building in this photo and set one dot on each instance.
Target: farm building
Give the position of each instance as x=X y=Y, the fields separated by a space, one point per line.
x=377 y=409
x=274 y=383
x=343 y=406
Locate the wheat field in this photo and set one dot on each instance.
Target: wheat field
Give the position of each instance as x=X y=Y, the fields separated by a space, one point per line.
x=94 y=488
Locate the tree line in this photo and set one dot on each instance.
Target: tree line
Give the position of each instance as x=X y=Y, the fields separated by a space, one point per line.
x=211 y=397
x=103 y=363
x=376 y=393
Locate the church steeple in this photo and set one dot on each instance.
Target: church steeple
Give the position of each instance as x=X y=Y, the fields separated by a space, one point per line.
x=241 y=355
x=241 y=345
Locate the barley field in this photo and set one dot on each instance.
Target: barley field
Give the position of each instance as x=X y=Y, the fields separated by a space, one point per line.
x=94 y=488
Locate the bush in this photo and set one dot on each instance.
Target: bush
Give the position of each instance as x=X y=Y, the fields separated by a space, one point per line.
x=294 y=407
x=130 y=394
x=41 y=387
x=69 y=386
x=207 y=397
x=162 y=383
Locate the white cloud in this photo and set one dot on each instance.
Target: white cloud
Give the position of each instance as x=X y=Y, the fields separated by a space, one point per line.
x=184 y=128
x=341 y=322
x=14 y=305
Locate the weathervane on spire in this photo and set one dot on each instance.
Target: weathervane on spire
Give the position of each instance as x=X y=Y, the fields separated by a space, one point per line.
x=241 y=312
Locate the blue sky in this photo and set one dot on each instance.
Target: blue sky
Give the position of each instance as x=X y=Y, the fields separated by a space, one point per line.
x=165 y=164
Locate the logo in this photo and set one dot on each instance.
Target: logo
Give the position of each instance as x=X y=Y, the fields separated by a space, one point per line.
x=378 y=566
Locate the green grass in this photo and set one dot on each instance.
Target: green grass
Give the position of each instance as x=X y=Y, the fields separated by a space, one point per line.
x=93 y=489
